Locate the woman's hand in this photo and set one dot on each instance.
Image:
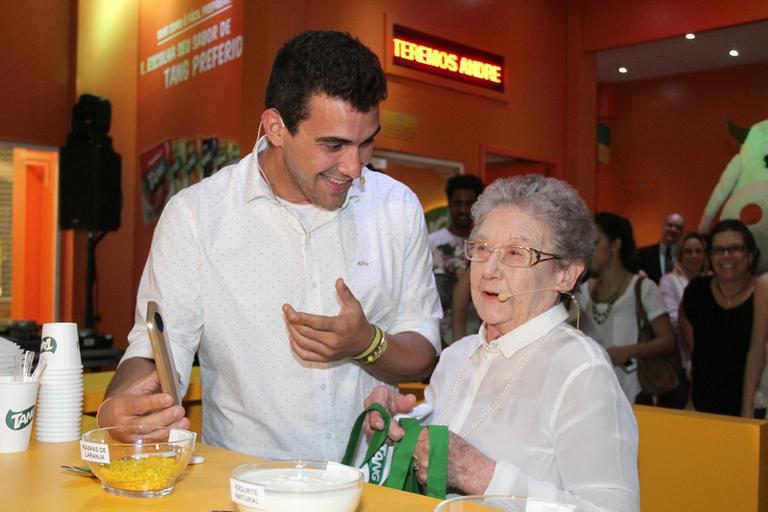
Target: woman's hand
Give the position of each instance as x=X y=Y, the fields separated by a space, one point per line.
x=469 y=470
x=619 y=354
x=394 y=403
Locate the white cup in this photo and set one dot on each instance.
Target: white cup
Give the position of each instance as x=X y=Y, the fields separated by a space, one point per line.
x=17 y=410
x=60 y=346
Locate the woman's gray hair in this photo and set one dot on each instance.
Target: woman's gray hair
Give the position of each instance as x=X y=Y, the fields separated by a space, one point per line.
x=553 y=202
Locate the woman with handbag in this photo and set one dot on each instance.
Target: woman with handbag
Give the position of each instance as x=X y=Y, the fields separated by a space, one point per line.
x=625 y=313
x=532 y=405
x=716 y=319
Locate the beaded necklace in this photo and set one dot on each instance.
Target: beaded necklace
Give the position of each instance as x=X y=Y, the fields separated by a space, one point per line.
x=493 y=348
x=601 y=310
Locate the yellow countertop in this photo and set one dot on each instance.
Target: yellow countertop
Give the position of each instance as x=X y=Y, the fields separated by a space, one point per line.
x=33 y=481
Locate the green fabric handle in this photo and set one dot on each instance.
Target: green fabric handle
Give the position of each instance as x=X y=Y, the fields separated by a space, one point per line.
x=402 y=475
x=378 y=438
x=437 y=472
x=402 y=456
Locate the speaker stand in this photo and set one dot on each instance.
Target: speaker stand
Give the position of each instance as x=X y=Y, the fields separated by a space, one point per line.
x=90 y=338
x=94 y=237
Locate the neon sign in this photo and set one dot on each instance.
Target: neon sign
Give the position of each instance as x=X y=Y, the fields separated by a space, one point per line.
x=441 y=57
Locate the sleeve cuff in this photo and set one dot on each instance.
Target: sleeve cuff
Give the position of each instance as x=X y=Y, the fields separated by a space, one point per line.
x=505 y=474
x=431 y=332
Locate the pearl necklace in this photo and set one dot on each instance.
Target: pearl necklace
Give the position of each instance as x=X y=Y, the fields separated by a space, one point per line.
x=493 y=348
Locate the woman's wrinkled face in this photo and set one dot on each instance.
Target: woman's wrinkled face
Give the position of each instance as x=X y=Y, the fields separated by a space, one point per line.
x=510 y=225
x=692 y=256
x=729 y=255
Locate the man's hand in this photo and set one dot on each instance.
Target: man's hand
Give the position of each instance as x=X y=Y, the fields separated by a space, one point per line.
x=330 y=338
x=141 y=404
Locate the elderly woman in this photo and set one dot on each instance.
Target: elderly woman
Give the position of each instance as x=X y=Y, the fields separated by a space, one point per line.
x=532 y=404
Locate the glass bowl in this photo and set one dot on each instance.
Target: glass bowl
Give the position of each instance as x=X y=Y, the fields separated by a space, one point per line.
x=508 y=503
x=290 y=485
x=137 y=461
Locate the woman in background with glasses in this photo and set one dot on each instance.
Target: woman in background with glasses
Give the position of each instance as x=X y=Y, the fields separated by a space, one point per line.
x=531 y=403
x=608 y=301
x=716 y=319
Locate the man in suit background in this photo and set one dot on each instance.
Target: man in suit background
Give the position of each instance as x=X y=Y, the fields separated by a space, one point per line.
x=658 y=259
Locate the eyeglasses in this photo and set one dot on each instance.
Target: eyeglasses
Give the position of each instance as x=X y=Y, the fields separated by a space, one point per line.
x=717 y=250
x=511 y=255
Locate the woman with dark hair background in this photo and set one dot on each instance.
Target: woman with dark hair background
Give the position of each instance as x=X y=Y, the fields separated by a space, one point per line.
x=608 y=303
x=716 y=319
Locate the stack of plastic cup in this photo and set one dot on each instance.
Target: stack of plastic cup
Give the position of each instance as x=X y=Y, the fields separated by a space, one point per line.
x=60 y=400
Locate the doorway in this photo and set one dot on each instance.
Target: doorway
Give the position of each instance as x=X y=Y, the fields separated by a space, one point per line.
x=29 y=243
x=425 y=176
x=498 y=163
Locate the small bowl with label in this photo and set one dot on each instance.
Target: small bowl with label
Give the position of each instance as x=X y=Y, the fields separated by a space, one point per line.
x=137 y=461
x=289 y=485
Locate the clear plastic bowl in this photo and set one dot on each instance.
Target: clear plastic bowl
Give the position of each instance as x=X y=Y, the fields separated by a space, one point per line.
x=142 y=462
x=290 y=485
x=508 y=503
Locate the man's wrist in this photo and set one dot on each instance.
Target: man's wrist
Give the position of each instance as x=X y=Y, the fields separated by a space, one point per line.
x=375 y=342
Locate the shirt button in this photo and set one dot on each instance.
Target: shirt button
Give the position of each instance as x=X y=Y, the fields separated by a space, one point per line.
x=329 y=436
x=322 y=386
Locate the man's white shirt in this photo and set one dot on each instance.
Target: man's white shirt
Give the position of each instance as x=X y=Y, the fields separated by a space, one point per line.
x=225 y=257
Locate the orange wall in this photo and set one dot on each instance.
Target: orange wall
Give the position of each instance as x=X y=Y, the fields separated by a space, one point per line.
x=108 y=59
x=550 y=115
x=451 y=125
x=670 y=144
x=36 y=38
x=608 y=23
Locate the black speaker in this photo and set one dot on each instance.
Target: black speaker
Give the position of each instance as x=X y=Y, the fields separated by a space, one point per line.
x=91 y=114
x=90 y=196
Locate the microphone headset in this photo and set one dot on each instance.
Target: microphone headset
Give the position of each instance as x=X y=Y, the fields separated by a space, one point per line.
x=505 y=296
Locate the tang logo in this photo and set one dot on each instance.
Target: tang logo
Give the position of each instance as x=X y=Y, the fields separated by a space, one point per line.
x=376 y=465
x=48 y=344
x=19 y=420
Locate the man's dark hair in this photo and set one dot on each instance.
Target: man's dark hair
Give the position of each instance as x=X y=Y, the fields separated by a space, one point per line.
x=615 y=226
x=463 y=182
x=323 y=62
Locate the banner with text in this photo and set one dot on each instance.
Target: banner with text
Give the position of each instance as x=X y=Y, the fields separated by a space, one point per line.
x=189 y=94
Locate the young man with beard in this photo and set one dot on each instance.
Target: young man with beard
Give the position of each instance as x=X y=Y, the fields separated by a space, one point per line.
x=301 y=278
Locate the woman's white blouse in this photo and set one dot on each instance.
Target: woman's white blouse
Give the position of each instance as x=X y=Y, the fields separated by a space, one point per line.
x=620 y=328
x=561 y=430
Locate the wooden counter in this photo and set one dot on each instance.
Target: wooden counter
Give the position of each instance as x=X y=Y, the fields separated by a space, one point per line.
x=33 y=481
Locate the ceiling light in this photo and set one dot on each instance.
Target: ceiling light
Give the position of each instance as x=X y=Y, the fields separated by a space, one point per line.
x=690 y=35
x=623 y=69
x=733 y=53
